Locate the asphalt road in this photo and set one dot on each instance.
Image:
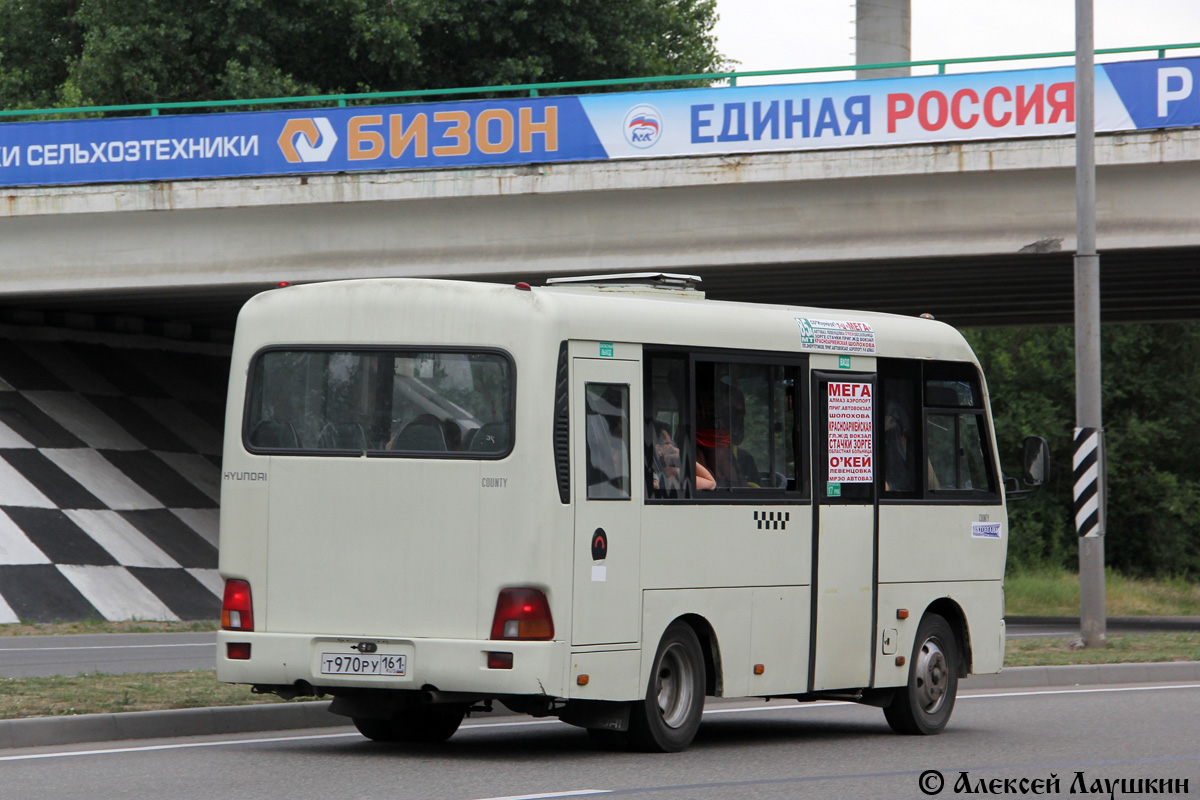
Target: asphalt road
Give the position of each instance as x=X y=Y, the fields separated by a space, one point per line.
x=744 y=750
x=117 y=653
x=113 y=653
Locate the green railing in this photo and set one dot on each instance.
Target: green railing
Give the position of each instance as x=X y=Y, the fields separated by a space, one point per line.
x=535 y=89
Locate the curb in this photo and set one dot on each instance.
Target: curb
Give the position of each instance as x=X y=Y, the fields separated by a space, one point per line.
x=82 y=728
x=1115 y=623
x=1086 y=674
x=45 y=731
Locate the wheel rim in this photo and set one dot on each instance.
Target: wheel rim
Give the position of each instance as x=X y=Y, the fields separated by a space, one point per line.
x=674 y=683
x=931 y=675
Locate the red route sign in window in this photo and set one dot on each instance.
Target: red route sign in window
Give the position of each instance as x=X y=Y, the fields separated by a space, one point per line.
x=851 y=412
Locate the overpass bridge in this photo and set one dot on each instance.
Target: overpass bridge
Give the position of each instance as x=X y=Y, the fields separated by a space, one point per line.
x=947 y=194
x=977 y=233
x=110 y=435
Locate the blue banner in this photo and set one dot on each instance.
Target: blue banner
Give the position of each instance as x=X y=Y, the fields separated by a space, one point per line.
x=424 y=136
x=936 y=108
x=1158 y=94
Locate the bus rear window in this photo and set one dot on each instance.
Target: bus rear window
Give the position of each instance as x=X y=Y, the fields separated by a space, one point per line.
x=438 y=403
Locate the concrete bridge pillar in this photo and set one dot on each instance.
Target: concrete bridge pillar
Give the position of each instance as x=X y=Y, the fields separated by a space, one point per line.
x=883 y=35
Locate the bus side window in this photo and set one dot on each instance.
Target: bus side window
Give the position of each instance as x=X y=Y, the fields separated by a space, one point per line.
x=735 y=424
x=669 y=457
x=607 y=428
x=900 y=443
x=955 y=430
x=720 y=428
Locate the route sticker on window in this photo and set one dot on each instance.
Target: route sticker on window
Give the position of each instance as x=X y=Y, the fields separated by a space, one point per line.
x=836 y=336
x=850 y=427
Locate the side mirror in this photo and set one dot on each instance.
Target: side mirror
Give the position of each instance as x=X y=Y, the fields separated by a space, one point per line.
x=1036 y=464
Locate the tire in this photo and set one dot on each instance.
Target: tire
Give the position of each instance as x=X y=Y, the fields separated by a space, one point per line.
x=424 y=724
x=667 y=719
x=924 y=705
x=609 y=740
x=377 y=730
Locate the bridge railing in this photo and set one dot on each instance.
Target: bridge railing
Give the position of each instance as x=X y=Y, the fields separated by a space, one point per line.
x=536 y=89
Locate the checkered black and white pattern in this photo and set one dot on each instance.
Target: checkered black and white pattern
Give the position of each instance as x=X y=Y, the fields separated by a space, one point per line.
x=109 y=481
x=772 y=520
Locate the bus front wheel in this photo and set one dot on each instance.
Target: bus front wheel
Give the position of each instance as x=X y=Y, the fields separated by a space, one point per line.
x=667 y=719
x=923 y=706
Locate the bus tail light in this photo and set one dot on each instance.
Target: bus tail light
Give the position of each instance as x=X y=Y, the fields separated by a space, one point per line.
x=522 y=614
x=499 y=660
x=236 y=611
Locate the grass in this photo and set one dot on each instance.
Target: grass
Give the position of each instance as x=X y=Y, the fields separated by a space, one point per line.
x=103 y=626
x=1122 y=649
x=98 y=693
x=1055 y=592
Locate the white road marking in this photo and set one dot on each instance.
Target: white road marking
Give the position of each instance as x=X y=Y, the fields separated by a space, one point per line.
x=780 y=707
x=530 y=722
x=1034 y=692
x=149 y=748
x=575 y=793
x=470 y=725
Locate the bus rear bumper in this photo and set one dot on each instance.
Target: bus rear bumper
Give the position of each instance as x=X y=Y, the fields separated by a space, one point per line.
x=445 y=665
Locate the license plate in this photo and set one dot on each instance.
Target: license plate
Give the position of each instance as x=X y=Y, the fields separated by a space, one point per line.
x=375 y=664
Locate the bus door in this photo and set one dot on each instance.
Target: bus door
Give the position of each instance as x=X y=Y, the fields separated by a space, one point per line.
x=844 y=536
x=606 y=443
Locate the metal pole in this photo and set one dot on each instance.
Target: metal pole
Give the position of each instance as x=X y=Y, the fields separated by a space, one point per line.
x=1090 y=484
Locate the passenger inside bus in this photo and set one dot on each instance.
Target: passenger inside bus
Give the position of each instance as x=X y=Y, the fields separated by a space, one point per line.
x=746 y=466
x=668 y=463
x=720 y=428
x=899 y=470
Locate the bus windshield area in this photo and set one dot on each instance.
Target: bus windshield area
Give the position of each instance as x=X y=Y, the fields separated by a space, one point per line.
x=451 y=403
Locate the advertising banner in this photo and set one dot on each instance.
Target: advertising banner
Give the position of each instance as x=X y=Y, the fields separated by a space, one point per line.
x=836 y=336
x=1134 y=95
x=850 y=430
x=425 y=136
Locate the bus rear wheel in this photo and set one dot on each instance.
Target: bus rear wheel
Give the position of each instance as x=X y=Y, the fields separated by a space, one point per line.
x=667 y=719
x=425 y=724
x=923 y=706
x=608 y=739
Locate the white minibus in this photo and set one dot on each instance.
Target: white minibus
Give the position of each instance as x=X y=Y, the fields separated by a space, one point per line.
x=604 y=500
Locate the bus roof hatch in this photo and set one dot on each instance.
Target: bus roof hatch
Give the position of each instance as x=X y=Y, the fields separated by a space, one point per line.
x=631 y=280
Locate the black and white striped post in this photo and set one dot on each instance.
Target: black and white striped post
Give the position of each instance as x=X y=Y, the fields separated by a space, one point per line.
x=1088 y=508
